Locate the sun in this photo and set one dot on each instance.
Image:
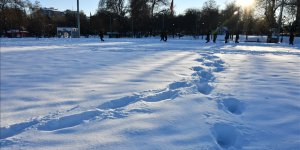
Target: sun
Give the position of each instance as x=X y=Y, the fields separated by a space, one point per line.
x=245 y=3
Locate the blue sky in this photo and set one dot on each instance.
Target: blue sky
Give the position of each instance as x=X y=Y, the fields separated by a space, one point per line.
x=91 y=5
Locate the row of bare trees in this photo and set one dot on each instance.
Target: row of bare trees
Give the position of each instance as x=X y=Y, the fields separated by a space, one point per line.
x=150 y=17
x=289 y=7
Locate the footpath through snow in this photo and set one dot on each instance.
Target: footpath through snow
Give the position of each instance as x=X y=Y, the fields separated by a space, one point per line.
x=145 y=94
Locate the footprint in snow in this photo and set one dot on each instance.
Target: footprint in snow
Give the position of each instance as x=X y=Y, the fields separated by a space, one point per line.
x=165 y=95
x=68 y=121
x=121 y=102
x=225 y=135
x=179 y=84
x=204 y=88
x=204 y=76
x=232 y=105
x=16 y=129
x=197 y=68
x=210 y=56
x=200 y=59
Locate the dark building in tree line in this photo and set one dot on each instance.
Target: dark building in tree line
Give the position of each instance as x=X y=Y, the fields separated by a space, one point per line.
x=16 y=33
x=50 y=12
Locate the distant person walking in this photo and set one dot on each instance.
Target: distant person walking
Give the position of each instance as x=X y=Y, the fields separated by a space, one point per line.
x=226 y=37
x=101 y=36
x=237 y=37
x=215 y=37
x=292 y=37
x=163 y=36
x=207 y=36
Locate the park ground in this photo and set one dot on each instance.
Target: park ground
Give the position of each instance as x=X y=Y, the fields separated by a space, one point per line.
x=146 y=94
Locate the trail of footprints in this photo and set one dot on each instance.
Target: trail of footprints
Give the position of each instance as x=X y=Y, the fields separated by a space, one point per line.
x=225 y=135
x=202 y=79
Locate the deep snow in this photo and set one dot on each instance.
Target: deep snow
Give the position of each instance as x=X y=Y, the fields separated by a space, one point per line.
x=146 y=94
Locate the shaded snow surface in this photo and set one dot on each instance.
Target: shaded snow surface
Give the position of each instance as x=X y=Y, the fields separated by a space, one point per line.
x=145 y=94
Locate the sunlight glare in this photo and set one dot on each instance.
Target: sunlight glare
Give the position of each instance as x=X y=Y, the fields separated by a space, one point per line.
x=245 y=3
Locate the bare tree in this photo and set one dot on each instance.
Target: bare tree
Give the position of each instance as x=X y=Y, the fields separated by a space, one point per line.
x=210 y=15
x=155 y=5
x=113 y=6
x=191 y=21
x=292 y=14
x=270 y=8
x=13 y=14
x=230 y=17
x=140 y=15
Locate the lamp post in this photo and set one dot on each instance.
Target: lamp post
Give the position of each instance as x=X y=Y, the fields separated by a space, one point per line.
x=202 y=29
x=247 y=10
x=280 y=20
x=163 y=22
x=173 y=28
x=163 y=18
x=110 y=24
x=196 y=25
x=281 y=40
x=132 y=27
x=78 y=19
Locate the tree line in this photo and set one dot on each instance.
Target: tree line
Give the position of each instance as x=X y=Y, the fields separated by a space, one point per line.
x=151 y=17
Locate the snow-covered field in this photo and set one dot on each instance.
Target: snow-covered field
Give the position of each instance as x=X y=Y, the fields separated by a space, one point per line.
x=145 y=94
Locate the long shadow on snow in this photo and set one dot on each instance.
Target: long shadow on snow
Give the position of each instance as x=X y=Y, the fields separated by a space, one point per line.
x=171 y=92
x=69 y=69
x=114 y=107
x=163 y=66
x=77 y=119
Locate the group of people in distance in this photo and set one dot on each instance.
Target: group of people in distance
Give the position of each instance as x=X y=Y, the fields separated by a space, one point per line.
x=227 y=36
x=164 y=37
x=237 y=37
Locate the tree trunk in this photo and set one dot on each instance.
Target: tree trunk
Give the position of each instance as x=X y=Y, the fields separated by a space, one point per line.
x=270 y=17
x=298 y=17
